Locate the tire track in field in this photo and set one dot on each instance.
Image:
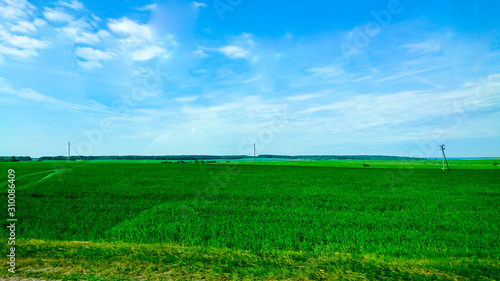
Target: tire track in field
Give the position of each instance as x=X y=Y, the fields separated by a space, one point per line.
x=31 y=183
x=4 y=184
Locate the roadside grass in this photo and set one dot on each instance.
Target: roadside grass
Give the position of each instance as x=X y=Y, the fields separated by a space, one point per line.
x=76 y=260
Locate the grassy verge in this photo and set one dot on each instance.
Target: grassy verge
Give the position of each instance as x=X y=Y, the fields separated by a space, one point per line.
x=127 y=261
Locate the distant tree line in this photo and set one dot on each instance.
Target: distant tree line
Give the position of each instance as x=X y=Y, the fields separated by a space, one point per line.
x=142 y=157
x=225 y=157
x=341 y=157
x=14 y=158
x=195 y=161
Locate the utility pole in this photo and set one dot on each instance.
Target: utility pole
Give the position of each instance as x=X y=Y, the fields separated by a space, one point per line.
x=444 y=157
x=254 y=157
x=69 y=151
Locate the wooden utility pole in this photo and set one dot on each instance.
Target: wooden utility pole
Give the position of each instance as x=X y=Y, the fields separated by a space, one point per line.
x=444 y=158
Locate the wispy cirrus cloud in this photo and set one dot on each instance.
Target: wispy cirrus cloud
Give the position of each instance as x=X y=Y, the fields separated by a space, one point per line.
x=426 y=47
x=304 y=97
x=233 y=52
x=16 y=9
x=186 y=99
x=57 y=16
x=82 y=31
x=405 y=74
x=198 y=5
x=30 y=95
x=397 y=109
x=238 y=48
x=128 y=28
x=149 y=7
x=148 y=53
x=27 y=27
x=89 y=58
x=139 y=40
x=23 y=47
x=327 y=71
x=73 y=4
x=22 y=42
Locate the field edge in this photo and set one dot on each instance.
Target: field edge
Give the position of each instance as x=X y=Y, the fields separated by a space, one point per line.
x=77 y=260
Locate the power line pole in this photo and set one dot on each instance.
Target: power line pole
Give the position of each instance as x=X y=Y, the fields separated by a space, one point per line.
x=69 y=151
x=444 y=157
x=254 y=157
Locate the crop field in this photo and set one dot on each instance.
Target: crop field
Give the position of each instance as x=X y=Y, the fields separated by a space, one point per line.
x=293 y=221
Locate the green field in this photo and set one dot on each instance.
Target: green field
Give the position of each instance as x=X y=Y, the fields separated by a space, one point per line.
x=293 y=220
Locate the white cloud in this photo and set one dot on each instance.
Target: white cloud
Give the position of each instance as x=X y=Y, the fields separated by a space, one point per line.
x=404 y=74
x=186 y=99
x=200 y=53
x=233 y=52
x=363 y=78
x=74 y=4
x=24 y=54
x=82 y=37
x=95 y=18
x=125 y=26
x=31 y=95
x=305 y=97
x=23 y=42
x=16 y=9
x=57 y=16
x=238 y=48
x=245 y=39
x=28 y=27
x=197 y=5
x=140 y=43
x=20 y=46
x=89 y=65
x=327 y=71
x=150 y=7
x=91 y=58
x=425 y=47
x=148 y=53
x=23 y=27
x=91 y=38
x=243 y=108
x=365 y=111
x=82 y=31
x=92 y=54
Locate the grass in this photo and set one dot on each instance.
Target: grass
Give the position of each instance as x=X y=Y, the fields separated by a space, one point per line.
x=219 y=221
x=76 y=260
x=377 y=164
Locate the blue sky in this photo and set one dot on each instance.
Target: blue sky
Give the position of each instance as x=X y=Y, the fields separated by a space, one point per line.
x=213 y=77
